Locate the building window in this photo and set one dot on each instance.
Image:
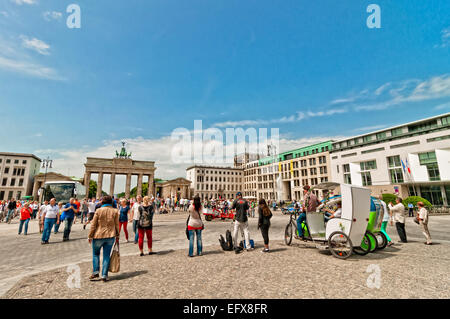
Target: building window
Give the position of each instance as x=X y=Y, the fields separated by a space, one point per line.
x=370 y=165
x=6 y=170
x=4 y=182
x=13 y=182
x=395 y=169
x=21 y=182
x=381 y=136
x=429 y=160
x=397 y=132
x=347 y=175
x=433 y=194
x=365 y=172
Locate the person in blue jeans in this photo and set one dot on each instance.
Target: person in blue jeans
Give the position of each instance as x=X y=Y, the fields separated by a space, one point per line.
x=301 y=218
x=103 y=234
x=69 y=214
x=50 y=217
x=195 y=226
x=60 y=206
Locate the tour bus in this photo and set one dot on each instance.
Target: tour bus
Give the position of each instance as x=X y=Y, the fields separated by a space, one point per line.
x=62 y=191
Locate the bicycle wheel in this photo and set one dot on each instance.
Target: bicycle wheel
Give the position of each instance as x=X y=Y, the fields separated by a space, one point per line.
x=288 y=234
x=340 y=245
x=373 y=241
x=381 y=240
x=365 y=247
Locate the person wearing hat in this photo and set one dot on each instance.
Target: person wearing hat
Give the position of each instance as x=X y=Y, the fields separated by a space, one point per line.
x=241 y=220
x=310 y=205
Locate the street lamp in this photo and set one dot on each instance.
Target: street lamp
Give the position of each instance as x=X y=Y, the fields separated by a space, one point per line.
x=46 y=163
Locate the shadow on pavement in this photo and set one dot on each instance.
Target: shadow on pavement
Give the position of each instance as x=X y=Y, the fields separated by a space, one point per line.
x=127 y=275
x=164 y=252
x=213 y=252
x=277 y=250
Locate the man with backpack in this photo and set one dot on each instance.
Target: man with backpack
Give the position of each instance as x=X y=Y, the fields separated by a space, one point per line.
x=241 y=220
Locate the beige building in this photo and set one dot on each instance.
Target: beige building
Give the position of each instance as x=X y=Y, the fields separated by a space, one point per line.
x=16 y=174
x=290 y=170
x=215 y=182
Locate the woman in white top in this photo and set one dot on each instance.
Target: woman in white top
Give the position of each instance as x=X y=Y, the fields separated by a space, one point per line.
x=195 y=226
x=423 y=220
x=399 y=212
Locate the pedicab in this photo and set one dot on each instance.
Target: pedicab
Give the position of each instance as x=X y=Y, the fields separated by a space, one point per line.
x=377 y=212
x=339 y=235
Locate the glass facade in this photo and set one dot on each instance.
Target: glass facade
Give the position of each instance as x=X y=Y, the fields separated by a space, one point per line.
x=433 y=194
x=429 y=160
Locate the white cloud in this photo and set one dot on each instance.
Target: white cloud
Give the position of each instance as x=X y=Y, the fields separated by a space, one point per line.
x=4 y=13
x=20 y=2
x=35 y=44
x=445 y=38
x=52 y=15
x=158 y=150
x=29 y=68
x=444 y=106
x=299 y=116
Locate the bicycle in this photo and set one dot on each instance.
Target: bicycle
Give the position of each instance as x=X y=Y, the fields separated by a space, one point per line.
x=292 y=225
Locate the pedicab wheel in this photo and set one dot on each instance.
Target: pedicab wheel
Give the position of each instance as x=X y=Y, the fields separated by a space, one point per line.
x=222 y=218
x=288 y=234
x=373 y=241
x=381 y=240
x=340 y=245
x=364 y=249
x=208 y=218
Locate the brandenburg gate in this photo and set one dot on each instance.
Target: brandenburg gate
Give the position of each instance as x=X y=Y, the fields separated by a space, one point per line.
x=122 y=164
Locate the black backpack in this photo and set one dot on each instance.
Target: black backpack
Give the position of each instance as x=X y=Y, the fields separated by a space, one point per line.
x=227 y=245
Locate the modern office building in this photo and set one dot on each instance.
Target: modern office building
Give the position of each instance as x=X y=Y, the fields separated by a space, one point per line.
x=409 y=159
x=16 y=174
x=290 y=170
x=212 y=182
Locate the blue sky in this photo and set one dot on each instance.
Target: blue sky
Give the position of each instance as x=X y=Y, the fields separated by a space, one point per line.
x=138 y=69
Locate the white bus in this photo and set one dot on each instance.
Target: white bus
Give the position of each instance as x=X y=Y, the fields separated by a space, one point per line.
x=62 y=191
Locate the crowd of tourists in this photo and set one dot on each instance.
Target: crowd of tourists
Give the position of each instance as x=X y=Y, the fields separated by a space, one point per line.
x=108 y=216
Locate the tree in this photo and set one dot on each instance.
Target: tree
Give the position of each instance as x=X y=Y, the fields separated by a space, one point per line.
x=93 y=189
x=389 y=198
x=133 y=191
x=414 y=200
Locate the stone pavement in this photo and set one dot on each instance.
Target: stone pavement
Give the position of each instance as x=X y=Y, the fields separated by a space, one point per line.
x=410 y=270
x=23 y=256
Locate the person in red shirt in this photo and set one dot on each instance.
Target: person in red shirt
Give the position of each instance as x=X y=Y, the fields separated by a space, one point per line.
x=25 y=215
x=77 y=214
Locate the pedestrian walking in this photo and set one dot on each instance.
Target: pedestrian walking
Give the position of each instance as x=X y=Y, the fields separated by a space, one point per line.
x=399 y=212
x=41 y=214
x=50 y=217
x=145 y=224
x=12 y=205
x=34 y=209
x=241 y=221
x=135 y=211
x=423 y=221
x=69 y=211
x=84 y=210
x=264 y=222
x=3 y=208
x=60 y=211
x=25 y=216
x=102 y=235
x=195 y=226
x=123 y=218
x=410 y=210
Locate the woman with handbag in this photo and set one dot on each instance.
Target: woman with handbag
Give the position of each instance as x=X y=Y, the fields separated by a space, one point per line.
x=104 y=233
x=195 y=226
x=145 y=225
